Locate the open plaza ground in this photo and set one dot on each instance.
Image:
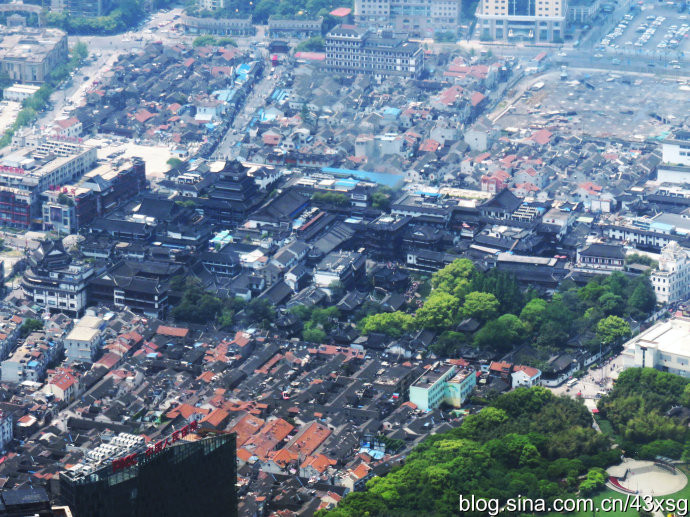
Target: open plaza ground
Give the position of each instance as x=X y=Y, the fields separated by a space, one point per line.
x=155 y=157
x=588 y=102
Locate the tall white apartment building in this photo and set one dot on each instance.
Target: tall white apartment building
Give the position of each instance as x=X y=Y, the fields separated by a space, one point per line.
x=671 y=282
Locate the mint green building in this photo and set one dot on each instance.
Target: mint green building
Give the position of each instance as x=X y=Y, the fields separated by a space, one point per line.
x=442 y=383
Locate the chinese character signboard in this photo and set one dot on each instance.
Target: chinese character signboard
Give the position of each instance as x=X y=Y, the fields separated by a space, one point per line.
x=133 y=459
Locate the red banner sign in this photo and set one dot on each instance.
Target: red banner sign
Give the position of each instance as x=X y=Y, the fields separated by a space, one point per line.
x=133 y=459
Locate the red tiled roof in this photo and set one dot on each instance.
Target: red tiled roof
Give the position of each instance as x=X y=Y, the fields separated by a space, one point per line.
x=242 y=339
x=319 y=462
x=247 y=426
x=244 y=454
x=542 y=137
x=216 y=417
x=206 y=376
x=109 y=360
x=143 y=115
x=311 y=56
x=429 y=146
x=172 y=331
x=283 y=457
x=361 y=471
x=476 y=98
x=64 y=381
x=68 y=122
x=274 y=432
x=186 y=411
x=450 y=95
x=500 y=366
x=340 y=12
x=530 y=371
x=590 y=187
x=309 y=440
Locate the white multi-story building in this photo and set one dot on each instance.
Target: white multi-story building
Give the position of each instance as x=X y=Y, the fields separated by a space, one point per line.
x=353 y=50
x=534 y=21
x=671 y=282
x=83 y=342
x=675 y=157
x=664 y=346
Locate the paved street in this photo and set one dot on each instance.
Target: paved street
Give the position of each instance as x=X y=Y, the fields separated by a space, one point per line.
x=228 y=148
x=597 y=382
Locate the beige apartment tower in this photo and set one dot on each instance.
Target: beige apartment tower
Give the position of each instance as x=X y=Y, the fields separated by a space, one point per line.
x=532 y=21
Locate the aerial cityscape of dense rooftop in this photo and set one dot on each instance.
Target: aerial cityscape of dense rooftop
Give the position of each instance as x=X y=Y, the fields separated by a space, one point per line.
x=344 y=258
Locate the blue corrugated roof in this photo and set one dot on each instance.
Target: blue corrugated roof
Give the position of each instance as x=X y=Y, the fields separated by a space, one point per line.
x=382 y=178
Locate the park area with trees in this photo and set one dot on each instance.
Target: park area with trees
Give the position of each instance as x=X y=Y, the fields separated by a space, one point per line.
x=528 y=442
x=599 y=311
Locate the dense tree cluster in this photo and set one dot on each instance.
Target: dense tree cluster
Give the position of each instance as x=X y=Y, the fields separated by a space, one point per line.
x=317 y=321
x=510 y=316
x=260 y=10
x=331 y=198
x=394 y=324
x=30 y=325
x=126 y=14
x=315 y=44
x=636 y=409
x=196 y=305
x=529 y=443
x=215 y=41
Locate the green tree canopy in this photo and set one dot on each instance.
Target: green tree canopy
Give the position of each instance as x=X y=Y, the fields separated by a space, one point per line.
x=612 y=329
x=533 y=312
x=454 y=278
x=481 y=306
x=501 y=333
x=394 y=324
x=440 y=311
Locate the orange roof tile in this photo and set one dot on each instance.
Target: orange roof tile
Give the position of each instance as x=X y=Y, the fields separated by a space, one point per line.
x=246 y=427
x=244 y=454
x=186 y=411
x=206 y=376
x=283 y=457
x=361 y=471
x=307 y=441
x=216 y=417
x=172 y=331
x=319 y=462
